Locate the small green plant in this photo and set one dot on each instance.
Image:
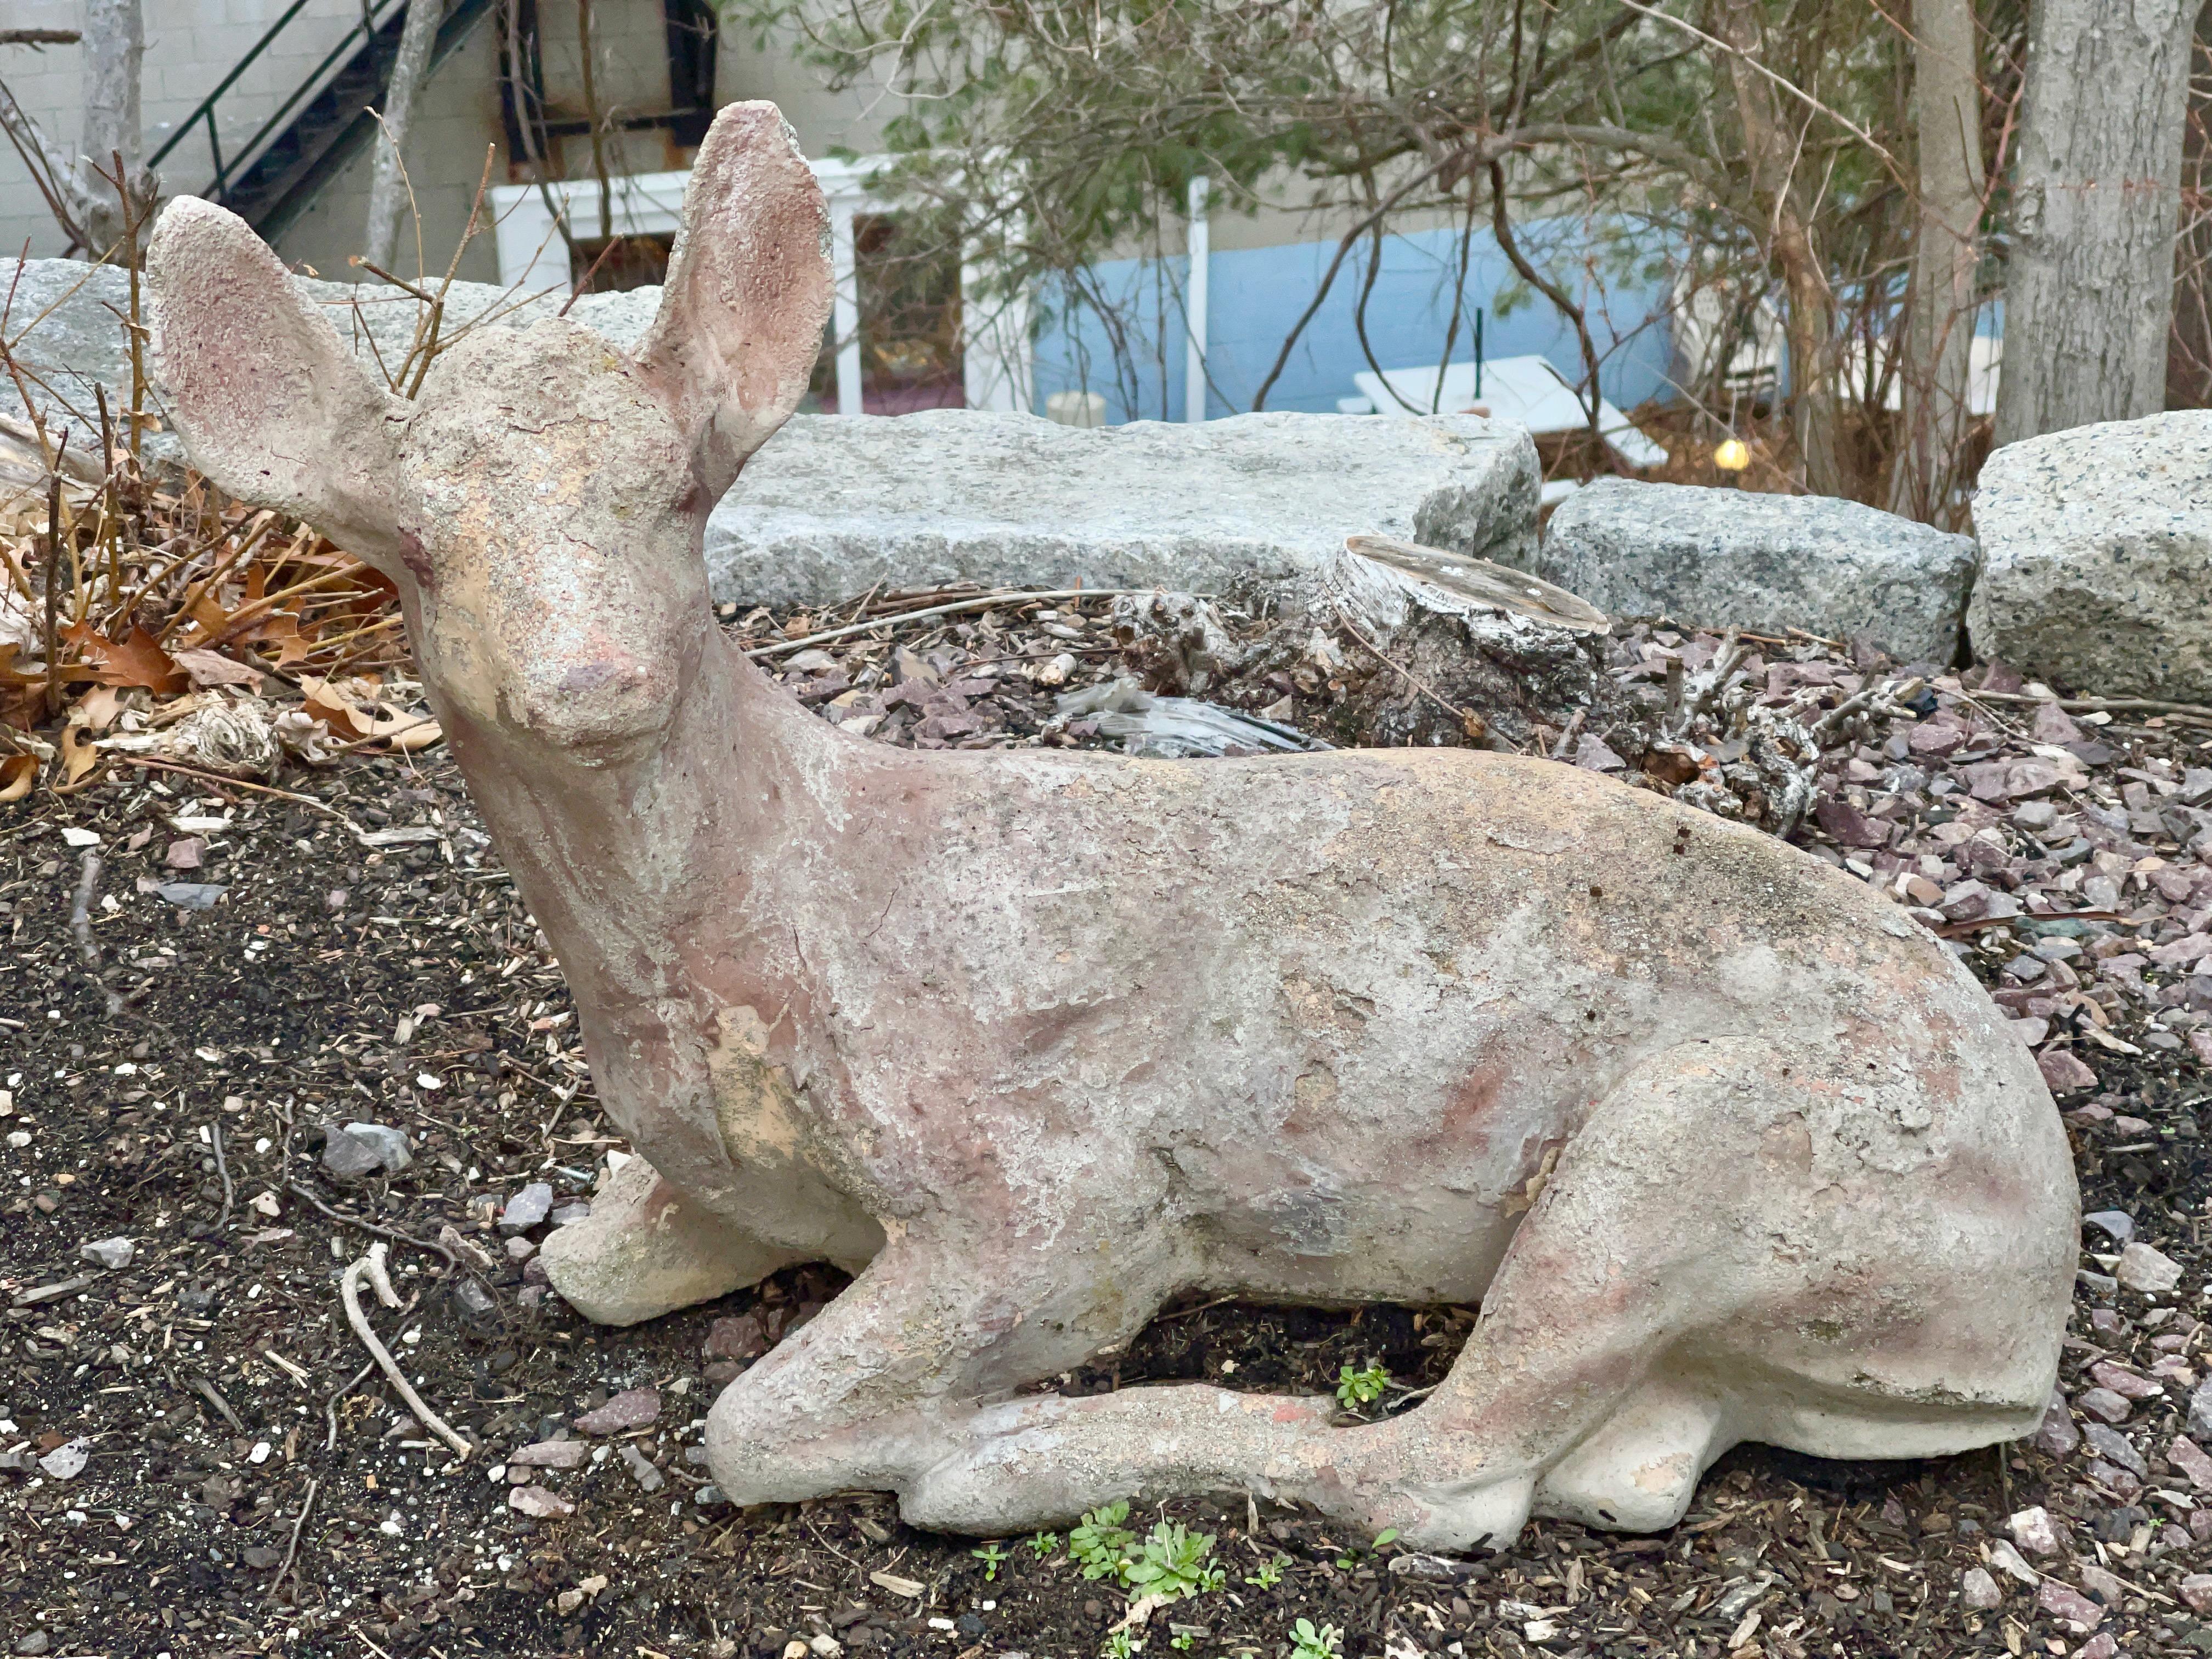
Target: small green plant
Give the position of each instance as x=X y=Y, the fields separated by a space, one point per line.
x=990 y=1555
x=1357 y=1389
x=1185 y=1641
x=1354 y=1555
x=1119 y=1645
x=1271 y=1575
x=1101 y=1545
x=1044 y=1543
x=1176 y=1563
x=1307 y=1643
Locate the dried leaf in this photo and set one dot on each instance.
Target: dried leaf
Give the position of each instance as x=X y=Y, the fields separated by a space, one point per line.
x=99 y=707
x=211 y=668
x=137 y=660
x=338 y=705
x=17 y=773
x=79 y=757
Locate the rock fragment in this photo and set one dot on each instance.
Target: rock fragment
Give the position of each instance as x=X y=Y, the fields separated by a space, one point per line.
x=111 y=1253
x=2145 y=1270
x=2057 y=1434
x=550 y=1454
x=633 y=1408
x=2189 y=1458
x=641 y=1468
x=2034 y=1531
x=1978 y=1591
x=527 y=1208
x=2074 y=1611
x=2115 y=1447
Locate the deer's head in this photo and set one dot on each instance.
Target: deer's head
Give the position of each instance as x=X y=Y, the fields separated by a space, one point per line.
x=540 y=501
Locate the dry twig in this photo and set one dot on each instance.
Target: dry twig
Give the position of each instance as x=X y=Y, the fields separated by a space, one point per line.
x=349 y=1293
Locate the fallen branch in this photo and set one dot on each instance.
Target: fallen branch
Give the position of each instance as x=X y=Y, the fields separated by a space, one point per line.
x=2105 y=705
x=229 y=782
x=1882 y=697
x=292 y=1549
x=331 y=1405
x=80 y=926
x=206 y=1390
x=371 y=1228
x=222 y=1168
x=981 y=602
x=349 y=1293
x=1733 y=652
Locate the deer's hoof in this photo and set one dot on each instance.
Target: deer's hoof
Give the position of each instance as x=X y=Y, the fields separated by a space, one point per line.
x=646 y=1250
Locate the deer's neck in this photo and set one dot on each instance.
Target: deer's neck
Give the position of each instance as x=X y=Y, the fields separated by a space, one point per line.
x=647 y=868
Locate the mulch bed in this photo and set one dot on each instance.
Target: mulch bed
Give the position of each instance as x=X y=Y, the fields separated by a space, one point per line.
x=234 y=1495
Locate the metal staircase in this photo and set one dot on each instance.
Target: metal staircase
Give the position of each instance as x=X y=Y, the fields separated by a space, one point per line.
x=269 y=179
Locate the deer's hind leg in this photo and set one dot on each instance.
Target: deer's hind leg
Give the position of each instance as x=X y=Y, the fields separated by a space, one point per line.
x=1687 y=1279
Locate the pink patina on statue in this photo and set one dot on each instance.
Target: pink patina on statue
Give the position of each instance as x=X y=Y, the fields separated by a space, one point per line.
x=1727 y=1147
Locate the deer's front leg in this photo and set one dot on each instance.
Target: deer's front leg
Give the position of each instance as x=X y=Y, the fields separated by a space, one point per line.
x=888 y=1380
x=646 y=1250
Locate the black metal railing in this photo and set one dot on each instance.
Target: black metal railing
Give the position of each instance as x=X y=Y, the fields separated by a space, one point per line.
x=359 y=36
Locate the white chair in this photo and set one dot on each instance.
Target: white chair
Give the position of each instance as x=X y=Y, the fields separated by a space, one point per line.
x=1526 y=391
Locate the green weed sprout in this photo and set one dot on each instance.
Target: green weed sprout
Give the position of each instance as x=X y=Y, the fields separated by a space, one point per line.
x=1100 y=1546
x=1358 y=1388
x=1176 y=1563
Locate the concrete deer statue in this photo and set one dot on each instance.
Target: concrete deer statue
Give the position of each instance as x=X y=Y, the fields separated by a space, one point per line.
x=1033 y=1041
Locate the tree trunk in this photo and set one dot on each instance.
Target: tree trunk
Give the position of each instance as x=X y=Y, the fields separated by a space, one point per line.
x=114 y=51
x=2089 y=290
x=1939 y=332
x=2189 y=352
x=388 y=188
x=1770 y=150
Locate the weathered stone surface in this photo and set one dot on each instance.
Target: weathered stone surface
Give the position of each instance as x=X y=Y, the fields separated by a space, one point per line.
x=830 y=505
x=1763 y=562
x=1033 y=1041
x=2097 y=557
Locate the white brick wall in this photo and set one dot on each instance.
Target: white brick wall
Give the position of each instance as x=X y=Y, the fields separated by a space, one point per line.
x=191 y=44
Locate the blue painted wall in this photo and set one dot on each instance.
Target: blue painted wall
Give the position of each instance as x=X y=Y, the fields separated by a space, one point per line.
x=1257 y=295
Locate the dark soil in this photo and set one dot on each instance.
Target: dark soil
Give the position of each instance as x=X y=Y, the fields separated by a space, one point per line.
x=242 y=1496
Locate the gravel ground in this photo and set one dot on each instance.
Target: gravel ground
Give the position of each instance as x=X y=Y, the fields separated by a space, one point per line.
x=188 y=1418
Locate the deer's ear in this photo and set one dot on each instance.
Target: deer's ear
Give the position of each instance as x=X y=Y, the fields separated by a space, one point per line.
x=749 y=288
x=268 y=400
